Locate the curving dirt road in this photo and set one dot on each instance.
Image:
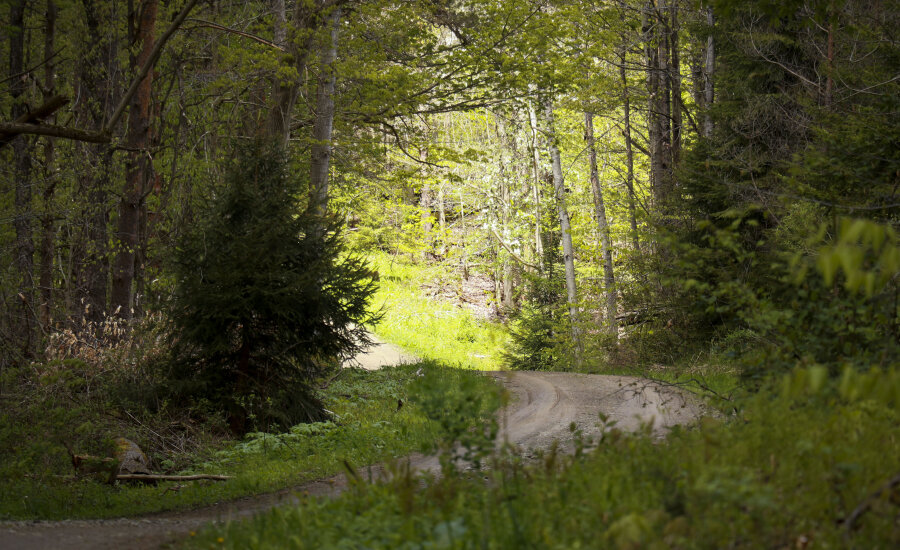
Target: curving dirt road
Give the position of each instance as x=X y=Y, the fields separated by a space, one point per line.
x=543 y=407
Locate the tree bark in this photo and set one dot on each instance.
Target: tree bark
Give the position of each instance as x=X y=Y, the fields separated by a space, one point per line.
x=654 y=131
x=24 y=261
x=675 y=71
x=536 y=188
x=565 y=227
x=629 y=153
x=664 y=101
x=48 y=226
x=138 y=168
x=609 y=279
x=324 y=122
x=425 y=200
x=709 y=70
x=306 y=20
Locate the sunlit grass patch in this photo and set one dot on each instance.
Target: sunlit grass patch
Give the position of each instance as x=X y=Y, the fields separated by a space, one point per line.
x=431 y=328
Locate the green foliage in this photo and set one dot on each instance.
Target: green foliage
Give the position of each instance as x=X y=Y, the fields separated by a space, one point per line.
x=763 y=201
x=264 y=299
x=36 y=478
x=783 y=472
x=868 y=254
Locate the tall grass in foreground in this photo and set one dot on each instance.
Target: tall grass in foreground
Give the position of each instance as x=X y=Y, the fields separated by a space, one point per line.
x=805 y=469
x=428 y=327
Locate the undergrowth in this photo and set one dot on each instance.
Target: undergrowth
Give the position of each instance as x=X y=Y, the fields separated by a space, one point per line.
x=807 y=467
x=63 y=406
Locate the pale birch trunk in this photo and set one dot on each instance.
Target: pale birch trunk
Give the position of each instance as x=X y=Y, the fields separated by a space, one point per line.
x=324 y=122
x=536 y=188
x=609 y=279
x=565 y=227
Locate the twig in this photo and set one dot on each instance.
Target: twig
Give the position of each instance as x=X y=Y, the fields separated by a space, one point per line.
x=155 y=477
x=216 y=26
x=866 y=504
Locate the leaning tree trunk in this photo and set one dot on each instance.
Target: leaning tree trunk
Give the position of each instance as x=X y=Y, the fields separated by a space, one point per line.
x=138 y=168
x=324 y=122
x=565 y=228
x=609 y=279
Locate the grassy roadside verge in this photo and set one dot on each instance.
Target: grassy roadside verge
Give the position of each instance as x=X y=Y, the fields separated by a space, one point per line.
x=368 y=428
x=791 y=470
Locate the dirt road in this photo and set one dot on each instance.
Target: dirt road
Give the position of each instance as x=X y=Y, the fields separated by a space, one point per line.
x=543 y=407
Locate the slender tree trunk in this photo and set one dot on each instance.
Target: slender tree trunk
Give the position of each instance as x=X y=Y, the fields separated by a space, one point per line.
x=564 y=226
x=536 y=188
x=48 y=226
x=609 y=279
x=675 y=71
x=442 y=221
x=23 y=196
x=425 y=200
x=629 y=153
x=324 y=122
x=709 y=71
x=138 y=168
x=654 y=130
x=829 y=77
x=664 y=100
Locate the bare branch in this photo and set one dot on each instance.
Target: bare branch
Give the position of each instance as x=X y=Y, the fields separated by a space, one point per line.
x=151 y=61
x=16 y=128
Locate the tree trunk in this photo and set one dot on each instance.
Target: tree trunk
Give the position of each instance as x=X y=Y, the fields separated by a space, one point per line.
x=138 y=167
x=654 y=130
x=48 y=226
x=23 y=196
x=609 y=279
x=425 y=200
x=675 y=71
x=565 y=227
x=709 y=71
x=663 y=104
x=324 y=122
x=629 y=153
x=536 y=188
x=305 y=22
x=442 y=221
x=97 y=84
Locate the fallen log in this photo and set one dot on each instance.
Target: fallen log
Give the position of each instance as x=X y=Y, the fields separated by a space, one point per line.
x=156 y=477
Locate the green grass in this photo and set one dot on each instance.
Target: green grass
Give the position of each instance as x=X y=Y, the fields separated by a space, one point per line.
x=368 y=428
x=786 y=472
x=430 y=328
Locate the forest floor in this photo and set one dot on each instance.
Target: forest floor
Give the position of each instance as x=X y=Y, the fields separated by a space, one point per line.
x=543 y=407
